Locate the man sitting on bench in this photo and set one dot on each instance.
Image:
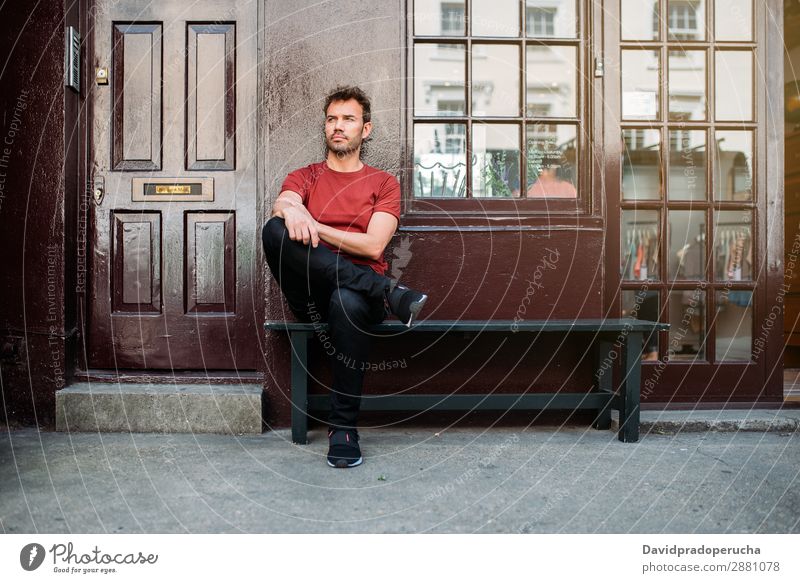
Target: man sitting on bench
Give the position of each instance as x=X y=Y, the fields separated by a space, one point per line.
x=353 y=209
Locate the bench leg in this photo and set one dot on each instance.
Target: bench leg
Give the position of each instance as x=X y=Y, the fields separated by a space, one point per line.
x=604 y=382
x=629 y=390
x=299 y=388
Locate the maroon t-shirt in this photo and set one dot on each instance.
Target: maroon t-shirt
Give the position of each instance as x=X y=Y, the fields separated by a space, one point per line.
x=346 y=200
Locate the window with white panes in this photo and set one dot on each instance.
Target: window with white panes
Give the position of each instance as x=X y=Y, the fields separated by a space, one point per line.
x=688 y=204
x=498 y=100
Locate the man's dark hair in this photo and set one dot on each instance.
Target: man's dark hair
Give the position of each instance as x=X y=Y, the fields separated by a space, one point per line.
x=345 y=92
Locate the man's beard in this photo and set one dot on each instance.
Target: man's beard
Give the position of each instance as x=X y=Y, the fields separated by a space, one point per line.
x=345 y=148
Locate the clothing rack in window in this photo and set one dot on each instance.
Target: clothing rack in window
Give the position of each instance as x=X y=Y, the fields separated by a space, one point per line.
x=640 y=252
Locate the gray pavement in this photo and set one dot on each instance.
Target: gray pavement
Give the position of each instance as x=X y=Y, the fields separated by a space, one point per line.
x=540 y=479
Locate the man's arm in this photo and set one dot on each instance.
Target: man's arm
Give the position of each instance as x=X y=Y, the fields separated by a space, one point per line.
x=303 y=227
x=299 y=222
x=370 y=244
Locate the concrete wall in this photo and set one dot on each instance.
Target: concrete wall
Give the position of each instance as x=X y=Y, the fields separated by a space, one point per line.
x=309 y=49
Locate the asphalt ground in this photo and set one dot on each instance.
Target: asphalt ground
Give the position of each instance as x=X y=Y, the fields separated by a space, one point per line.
x=419 y=480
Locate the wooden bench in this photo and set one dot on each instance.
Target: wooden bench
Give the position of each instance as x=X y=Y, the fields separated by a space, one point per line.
x=622 y=335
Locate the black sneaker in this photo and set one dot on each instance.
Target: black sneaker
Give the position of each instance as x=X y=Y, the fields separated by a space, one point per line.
x=406 y=303
x=343 y=451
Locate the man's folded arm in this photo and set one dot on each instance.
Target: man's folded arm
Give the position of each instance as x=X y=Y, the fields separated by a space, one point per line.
x=303 y=227
x=370 y=245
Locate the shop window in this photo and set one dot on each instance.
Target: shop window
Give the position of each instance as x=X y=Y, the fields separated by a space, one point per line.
x=688 y=210
x=498 y=115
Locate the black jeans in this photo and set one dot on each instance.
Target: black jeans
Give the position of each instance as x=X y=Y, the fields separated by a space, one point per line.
x=320 y=285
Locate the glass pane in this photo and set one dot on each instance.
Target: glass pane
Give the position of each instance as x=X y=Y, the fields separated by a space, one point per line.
x=734 y=324
x=687 y=244
x=733 y=246
x=550 y=18
x=734 y=85
x=552 y=74
x=687 y=165
x=439 y=79
x=734 y=165
x=642 y=304
x=496 y=155
x=641 y=164
x=733 y=20
x=639 y=20
x=495 y=17
x=495 y=80
x=440 y=160
x=686 y=20
x=687 y=331
x=552 y=160
x=640 y=74
x=437 y=18
x=687 y=85
x=639 y=244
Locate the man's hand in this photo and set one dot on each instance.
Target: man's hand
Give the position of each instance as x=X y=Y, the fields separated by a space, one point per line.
x=299 y=222
x=301 y=225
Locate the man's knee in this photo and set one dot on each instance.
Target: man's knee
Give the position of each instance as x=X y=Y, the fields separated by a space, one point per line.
x=273 y=232
x=348 y=304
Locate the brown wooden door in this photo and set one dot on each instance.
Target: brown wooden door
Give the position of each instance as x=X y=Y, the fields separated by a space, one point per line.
x=688 y=204
x=791 y=322
x=174 y=142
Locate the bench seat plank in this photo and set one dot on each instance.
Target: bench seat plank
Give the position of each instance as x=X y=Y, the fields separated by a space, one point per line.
x=591 y=325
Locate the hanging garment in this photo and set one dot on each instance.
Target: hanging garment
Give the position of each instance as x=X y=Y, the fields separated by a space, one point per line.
x=631 y=255
x=654 y=255
x=734 y=268
x=637 y=267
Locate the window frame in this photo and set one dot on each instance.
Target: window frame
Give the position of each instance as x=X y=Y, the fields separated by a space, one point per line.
x=586 y=207
x=709 y=282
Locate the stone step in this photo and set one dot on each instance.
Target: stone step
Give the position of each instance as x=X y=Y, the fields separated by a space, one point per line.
x=160 y=408
x=784 y=420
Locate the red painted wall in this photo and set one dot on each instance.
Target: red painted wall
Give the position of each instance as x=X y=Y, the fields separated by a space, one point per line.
x=32 y=215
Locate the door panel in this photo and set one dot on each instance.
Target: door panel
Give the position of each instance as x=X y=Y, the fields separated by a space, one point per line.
x=174 y=145
x=136 y=255
x=211 y=106
x=136 y=55
x=210 y=268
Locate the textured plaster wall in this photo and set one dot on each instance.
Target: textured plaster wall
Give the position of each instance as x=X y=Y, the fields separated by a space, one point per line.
x=309 y=49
